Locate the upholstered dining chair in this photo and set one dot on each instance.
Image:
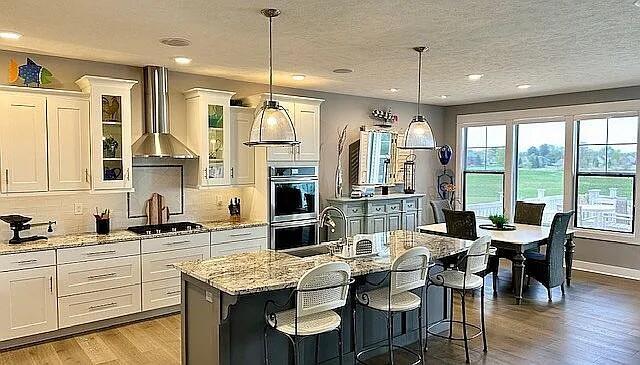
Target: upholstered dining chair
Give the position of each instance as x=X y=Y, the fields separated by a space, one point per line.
x=547 y=268
x=437 y=206
x=529 y=213
x=462 y=224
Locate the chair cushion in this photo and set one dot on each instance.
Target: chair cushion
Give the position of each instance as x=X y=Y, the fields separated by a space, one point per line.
x=312 y=324
x=455 y=279
x=534 y=256
x=379 y=299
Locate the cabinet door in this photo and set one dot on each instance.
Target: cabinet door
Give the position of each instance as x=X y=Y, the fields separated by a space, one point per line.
x=285 y=153
x=411 y=221
x=28 y=304
x=394 y=222
x=23 y=143
x=355 y=225
x=224 y=249
x=69 y=144
x=242 y=171
x=377 y=224
x=218 y=142
x=307 y=125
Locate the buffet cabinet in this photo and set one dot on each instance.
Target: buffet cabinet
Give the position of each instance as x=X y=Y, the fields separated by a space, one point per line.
x=45 y=291
x=379 y=214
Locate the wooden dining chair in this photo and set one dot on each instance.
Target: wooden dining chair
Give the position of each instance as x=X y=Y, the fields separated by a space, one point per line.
x=547 y=268
x=437 y=206
x=529 y=213
x=462 y=224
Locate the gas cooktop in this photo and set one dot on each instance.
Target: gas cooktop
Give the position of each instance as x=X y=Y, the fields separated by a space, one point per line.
x=164 y=228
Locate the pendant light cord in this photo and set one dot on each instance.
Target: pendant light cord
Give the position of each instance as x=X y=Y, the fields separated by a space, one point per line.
x=419 y=82
x=270 y=62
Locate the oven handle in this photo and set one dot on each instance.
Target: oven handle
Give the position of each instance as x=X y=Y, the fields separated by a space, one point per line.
x=294 y=223
x=293 y=180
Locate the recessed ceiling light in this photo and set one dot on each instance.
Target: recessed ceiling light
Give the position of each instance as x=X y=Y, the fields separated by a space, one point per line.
x=474 y=77
x=298 y=77
x=394 y=90
x=175 y=42
x=10 y=35
x=444 y=96
x=181 y=60
x=524 y=86
x=343 y=70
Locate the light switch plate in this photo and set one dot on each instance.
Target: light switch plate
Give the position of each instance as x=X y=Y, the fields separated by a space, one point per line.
x=77 y=208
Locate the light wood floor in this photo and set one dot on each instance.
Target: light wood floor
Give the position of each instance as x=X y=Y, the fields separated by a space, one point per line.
x=597 y=322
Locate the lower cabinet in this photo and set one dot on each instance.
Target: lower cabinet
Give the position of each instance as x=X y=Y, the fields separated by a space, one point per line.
x=96 y=306
x=394 y=222
x=161 y=293
x=356 y=225
x=377 y=224
x=411 y=221
x=231 y=248
x=28 y=303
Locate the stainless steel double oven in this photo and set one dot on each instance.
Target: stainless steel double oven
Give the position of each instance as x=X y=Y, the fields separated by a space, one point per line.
x=294 y=205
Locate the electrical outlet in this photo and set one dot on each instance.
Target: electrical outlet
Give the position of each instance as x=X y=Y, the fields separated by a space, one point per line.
x=77 y=208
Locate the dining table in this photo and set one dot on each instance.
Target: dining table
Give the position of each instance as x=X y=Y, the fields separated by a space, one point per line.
x=516 y=242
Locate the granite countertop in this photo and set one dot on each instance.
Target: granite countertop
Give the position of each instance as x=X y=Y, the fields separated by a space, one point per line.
x=268 y=270
x=377 y=197
x=90 y=239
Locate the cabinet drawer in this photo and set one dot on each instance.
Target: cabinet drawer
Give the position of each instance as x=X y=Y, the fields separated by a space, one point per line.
x=90 y=307
x=240 y=234
x=354 y=210
x=84 y=277
x=98 y=252
x=27 y=260
x=395 y=207
x=157 y=265
x=175 y=242
x=376 y=209
x=231 y=248
x=160 y=293
x=411 y=204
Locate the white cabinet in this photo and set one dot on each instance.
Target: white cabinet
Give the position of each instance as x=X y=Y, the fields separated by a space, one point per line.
x=105 y=304
x=23 y=142
x=305 y=115
x=69 y=143
x=209 y=135
x=28 y=302
x=240 y=240
x=243 y=246
x=110 y=124
x=242 y=156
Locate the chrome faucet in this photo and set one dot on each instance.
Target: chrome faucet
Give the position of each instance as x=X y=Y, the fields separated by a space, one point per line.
x=326 y=220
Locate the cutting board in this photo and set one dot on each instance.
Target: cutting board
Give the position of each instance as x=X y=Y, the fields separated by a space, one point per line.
x=157 y=211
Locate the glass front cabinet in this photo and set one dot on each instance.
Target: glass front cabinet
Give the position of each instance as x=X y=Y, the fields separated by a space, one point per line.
x=110 y=115
x=209 y=134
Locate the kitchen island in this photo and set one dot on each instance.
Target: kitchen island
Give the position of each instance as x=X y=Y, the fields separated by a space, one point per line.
x=223 y=302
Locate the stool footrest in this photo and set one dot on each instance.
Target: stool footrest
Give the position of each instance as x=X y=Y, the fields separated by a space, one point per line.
x=404 y=348
x=450 y=337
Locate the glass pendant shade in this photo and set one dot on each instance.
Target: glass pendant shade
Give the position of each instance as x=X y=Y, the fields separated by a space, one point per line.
x=272 y=126
x=419 y=135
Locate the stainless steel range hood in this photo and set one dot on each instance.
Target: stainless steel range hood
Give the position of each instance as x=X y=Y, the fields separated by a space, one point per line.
x=157 y=141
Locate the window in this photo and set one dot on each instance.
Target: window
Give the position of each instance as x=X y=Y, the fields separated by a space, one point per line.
x=606 y=176
x=484 y=169
x=540 y=166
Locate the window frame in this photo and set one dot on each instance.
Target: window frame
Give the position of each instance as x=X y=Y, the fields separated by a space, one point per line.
x=570 y=114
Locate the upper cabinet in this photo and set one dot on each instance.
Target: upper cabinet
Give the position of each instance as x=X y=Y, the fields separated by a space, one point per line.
x=209 y=134
x=305 y=114
x=242 y=156
x=110 y=124
x=44 y=140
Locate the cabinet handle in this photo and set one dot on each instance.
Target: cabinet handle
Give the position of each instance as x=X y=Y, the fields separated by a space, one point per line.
x=6 y=177
x=51 y=284
x=232 y=172
x=173 y=292
x=101 y=276
x=94 y=307
x=100 y=252
x=176 y=242
x=239 y=234
x=25 y=262
x=128 y=175
x=206 y=176
x=86 y=175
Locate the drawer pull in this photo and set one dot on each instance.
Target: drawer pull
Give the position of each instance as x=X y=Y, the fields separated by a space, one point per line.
x=169 y=265
x=239 y=234
x=25 y=262
x=378 y=209
x=173 y=292
x=101 y=276
x=394 y=207
x=100 y=253
x=101 y=306
x=176 y=243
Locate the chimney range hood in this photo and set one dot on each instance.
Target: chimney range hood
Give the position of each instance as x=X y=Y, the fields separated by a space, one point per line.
x=157 y=141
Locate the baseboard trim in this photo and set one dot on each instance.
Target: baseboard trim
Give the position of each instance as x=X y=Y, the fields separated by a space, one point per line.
x=622 y=272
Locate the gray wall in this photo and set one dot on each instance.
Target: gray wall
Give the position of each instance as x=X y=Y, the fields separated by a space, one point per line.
x=604 y=252
x=336 y=111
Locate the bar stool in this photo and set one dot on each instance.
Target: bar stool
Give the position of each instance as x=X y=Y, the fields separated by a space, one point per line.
x=321 y=292
x=408 y=272
x=473 y=262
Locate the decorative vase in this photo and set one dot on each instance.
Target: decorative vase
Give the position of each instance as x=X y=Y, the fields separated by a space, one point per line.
x=338 y=182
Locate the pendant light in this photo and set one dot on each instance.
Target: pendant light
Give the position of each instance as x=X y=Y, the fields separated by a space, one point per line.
x=419 y=135
x=272 y=125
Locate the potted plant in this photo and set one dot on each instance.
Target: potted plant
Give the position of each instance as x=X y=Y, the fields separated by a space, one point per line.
x=498 y=220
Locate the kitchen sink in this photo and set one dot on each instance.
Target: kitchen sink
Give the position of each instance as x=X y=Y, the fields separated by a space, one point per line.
x=309 y=251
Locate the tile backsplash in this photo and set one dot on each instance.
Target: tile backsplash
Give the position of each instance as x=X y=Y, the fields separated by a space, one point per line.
x=199 y=205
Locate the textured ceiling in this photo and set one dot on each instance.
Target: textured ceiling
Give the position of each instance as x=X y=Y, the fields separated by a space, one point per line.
x=556 y=45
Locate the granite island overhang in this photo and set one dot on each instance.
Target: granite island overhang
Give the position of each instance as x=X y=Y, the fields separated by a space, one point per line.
x=223 y=301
